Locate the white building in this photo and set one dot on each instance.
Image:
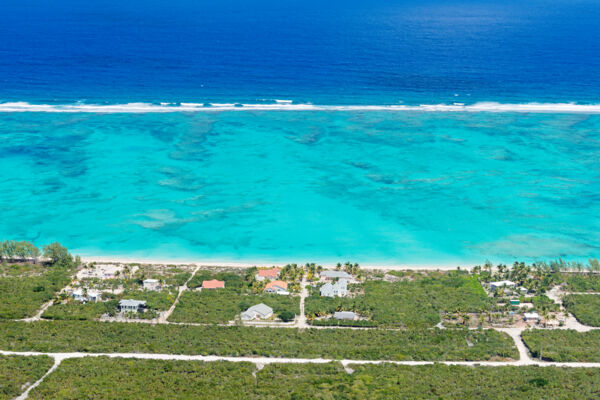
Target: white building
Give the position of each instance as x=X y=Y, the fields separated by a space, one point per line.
x=80 y=294
x=132 y=305
x=151 y=284
x=502 y=284
x=340 y=289
x=348 y=315
x=534 y=317
x=261 y=311
x=330 y=275
x=94 y=295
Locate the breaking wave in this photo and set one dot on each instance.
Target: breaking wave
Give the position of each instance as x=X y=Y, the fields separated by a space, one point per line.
x=288 y=105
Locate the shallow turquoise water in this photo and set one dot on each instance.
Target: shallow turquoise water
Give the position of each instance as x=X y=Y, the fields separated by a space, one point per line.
x=297 y=186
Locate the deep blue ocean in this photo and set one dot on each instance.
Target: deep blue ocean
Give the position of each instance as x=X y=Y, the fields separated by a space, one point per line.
x=381 y=132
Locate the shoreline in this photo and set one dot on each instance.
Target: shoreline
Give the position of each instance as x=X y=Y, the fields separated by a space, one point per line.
x=259 y=263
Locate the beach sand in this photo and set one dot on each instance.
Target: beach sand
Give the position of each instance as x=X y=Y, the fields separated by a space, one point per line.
x=259 y=263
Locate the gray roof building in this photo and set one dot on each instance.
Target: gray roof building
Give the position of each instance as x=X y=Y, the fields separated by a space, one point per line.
x=340 y=288
x=261 y=311
x=332 y=274
x=132 y=305
x=344 y=315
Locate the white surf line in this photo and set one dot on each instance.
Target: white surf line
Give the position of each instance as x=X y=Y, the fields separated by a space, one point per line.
x=289 y=360
x=492 y=107
x=25 y=394
x=163 y=318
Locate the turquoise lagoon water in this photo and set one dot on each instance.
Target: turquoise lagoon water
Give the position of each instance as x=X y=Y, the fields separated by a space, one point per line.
x=373 y=187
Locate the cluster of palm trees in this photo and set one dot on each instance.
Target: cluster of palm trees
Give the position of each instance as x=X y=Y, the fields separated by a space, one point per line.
x=352 y=269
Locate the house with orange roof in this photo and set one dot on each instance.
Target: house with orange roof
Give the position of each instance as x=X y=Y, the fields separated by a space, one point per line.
x=262 y=274
x=279 y=287
x=213 y=284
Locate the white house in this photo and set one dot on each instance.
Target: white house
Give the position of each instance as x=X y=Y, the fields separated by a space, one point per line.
x=501 y=284
x=340 y=289
x=80 y=294
x=534 y=317
x=261 y=311
x=94 y=295
x=132 y=305
x=348 y=315
x=77 y=294
x=330 y=275
x=151 y=284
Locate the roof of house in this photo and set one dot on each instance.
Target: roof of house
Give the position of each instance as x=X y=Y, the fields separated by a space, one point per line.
x=269 y=273
x=132 y=303
x=213 y=284
x=327 y=289
x=502 y=283
x=344 y=315
x=261 y=308
x=532 y=315
x=77 y=292
x=94 y=293
x=335 y=274
x=150 y=281
x=279 y=284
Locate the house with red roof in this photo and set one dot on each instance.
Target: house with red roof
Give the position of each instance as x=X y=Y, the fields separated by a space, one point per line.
x=279 y=287
x=262 y=274
x=213 y=284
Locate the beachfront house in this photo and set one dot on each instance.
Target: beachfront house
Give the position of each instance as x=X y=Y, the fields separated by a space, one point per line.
x=330 y=275
x=344 y=315
x=339 y=289
x=279 y=287
x=261 y=311
x=264 y=274
x=502 y=284
x=531 y=317
x=151 y=284
x=132 y=306
x=213 y=284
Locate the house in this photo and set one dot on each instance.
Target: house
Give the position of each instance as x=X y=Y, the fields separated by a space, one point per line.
x=78 y=295
x=340 y=289
x=132 y=306
x=330 y=275
x=279 y=287
x=523 y=290
x=261 y=311
x=94 y=295
x=347 y=315
x=515 y=302
x=151 y=284
x=501 y=284
x=213 y=284
x=534 y=317
x=263 y=274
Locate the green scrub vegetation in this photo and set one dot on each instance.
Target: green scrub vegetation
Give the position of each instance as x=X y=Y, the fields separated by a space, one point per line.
x=104 y=378
x=585 y=307
x=377 y=344
x=22 y=296
x=223 y=305
x=563 y=344
x=17 y=372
